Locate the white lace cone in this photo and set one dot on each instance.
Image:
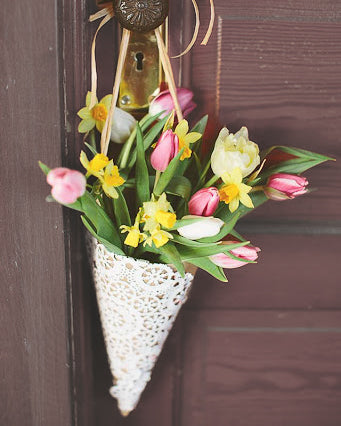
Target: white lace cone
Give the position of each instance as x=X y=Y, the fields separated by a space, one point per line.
x=138 y=302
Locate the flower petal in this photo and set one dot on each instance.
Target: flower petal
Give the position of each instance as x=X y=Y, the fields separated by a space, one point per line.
x=182 y=129
x=86 y=125
x=192 y=137
x=88 y=98
x=234 y=204
x=246 y=200
x=106 y=101
x=84 y=113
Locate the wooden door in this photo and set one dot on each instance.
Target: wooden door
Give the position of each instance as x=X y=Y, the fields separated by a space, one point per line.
x=262 y=350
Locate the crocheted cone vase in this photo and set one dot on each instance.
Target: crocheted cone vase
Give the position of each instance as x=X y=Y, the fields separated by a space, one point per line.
x=138 y=302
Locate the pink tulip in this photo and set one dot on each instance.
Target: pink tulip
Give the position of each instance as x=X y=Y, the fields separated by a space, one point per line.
x=204 y=202
x=67 y=185
x=164 y=102
x=165 y=150
x=282 y=186
x=245 y=252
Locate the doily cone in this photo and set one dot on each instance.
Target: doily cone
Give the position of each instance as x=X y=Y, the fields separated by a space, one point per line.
x=138 y=302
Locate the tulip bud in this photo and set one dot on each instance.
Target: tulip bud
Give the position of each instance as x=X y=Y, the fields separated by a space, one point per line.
x=245 y=252
x=204 y=202
x=282 y=186
x=165 y=150
x=164 y=102
x=122 y=125
x=233 y=151
x=67 y=185
x=205 y=227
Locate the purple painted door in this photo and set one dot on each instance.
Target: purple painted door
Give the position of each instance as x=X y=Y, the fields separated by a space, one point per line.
x=263 y=349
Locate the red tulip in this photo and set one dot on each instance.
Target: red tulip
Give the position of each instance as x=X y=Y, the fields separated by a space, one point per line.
x=245 y=252
x=282 y=186
x=165 y=150
x=67 y=185
x=204 y=202
x=164 y=102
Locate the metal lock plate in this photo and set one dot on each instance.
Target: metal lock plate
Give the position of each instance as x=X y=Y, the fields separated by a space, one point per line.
x=142 y=73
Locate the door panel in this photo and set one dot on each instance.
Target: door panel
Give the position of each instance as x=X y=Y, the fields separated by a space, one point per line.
x=35 y=357
x=253 y=367
x=265 y=347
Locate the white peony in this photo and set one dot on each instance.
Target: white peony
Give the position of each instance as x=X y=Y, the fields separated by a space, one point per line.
x=233 y=151
x=205 y=227
x=122 y=125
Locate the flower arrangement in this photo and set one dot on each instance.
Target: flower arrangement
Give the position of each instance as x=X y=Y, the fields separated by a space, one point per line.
x=163 y=202
x=161 y=199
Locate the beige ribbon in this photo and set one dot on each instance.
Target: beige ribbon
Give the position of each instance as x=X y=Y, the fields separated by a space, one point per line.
x=196 y=29
x=106 y=13
x=106 y=132
x=167 y=67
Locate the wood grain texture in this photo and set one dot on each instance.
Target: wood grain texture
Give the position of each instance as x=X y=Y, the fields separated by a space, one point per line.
x=293 y=272
x=35 y=365
x=274 y=68
x=259 y=368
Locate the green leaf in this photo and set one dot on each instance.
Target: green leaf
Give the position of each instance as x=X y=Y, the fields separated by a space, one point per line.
x=237 y=235
x=142 y=176
x=97 y=216
x=184 y=222
x=294 y=166
x=111 y=247
x=191 y=243
x=149 y=138
x=300 y=153
x=180 y=186
x=44 y=167
x=171 y=253
x=223 y=212
x=200 y=127
x=91 y=148
x=187 y=253
x=225 y=230
x=121 y=210
x=208 y=266
x=168 y=174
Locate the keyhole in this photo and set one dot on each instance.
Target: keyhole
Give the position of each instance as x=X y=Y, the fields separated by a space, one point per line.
x=139 y=61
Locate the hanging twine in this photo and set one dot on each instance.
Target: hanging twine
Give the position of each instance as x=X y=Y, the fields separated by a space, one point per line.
x=107 y=13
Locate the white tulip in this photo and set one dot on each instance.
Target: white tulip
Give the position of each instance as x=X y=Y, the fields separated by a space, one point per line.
x=122 y=125
x=204 y=227
x=233 y=151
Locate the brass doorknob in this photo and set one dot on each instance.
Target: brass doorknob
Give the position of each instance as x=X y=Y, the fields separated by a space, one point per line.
x=141 y=15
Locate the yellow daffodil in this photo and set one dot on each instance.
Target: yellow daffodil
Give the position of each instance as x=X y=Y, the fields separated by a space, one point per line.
x=111 y=179
x=95 y=116
x=134 y=236
x=159 y=237
x=235 y=191
x=105 y=171
x=185 y=138
x=156 y=212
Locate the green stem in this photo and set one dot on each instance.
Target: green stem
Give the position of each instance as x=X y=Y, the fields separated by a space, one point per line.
x=124 y=156
x=157 y=177
x=92 y=139
x=212 y=181
x=257 y=188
